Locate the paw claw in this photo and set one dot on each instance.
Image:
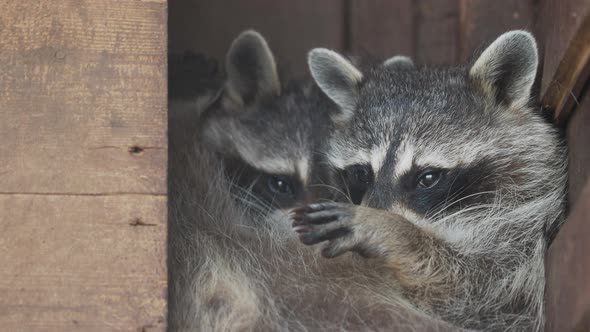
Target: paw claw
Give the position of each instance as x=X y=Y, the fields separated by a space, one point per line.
x=301 y=229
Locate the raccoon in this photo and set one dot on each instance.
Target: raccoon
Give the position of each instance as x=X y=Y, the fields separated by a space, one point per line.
x=460 y=182
x=235 y=170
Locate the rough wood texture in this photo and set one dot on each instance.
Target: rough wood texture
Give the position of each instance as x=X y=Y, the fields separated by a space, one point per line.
x=82 y=263
x=482 y=21
x=437 y=39
x=568 y=263
x=82 y=165
x=382 y=28
x=567 y=55
x=82 y=85
x=568 y=291
x=578 y=136
x=292 y=28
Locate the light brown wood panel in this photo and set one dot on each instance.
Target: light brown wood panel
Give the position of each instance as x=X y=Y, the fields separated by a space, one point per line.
x=83 y=84
x=82 y=262
x=82 y=165
x=437 y=35
x=382 y=28
x=292 y=28
x=482 y=21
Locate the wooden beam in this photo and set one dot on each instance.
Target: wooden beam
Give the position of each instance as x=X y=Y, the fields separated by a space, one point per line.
x=83 y=97
x=82 y=263
x=83 y=165
x=567 y=70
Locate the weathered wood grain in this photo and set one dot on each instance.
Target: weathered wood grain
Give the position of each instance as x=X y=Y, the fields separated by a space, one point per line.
x=82 y=84
x=82 y=165
x=437 y=35
x=567 y=55
x=382 y=28
x=292 y=28
x=86 y=263
x=482 y=21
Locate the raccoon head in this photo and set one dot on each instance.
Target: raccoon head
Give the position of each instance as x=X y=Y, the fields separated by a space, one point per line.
x=265 y=133
x=425 y=142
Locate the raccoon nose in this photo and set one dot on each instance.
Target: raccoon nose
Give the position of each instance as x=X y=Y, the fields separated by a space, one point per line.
x=374 y=203
x=379 y=198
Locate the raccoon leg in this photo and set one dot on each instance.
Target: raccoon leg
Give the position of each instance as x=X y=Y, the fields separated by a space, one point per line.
x=413 y=254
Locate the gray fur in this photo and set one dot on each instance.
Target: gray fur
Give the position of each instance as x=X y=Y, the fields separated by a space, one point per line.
x=337 y=76
x=251 y=70
x=227 y=270
x=399 y=62
x=506 y=69
x=488 y=253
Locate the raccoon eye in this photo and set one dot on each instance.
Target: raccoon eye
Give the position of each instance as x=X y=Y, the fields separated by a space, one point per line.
x=429 y=179
x=280 y=185
x=359 y=175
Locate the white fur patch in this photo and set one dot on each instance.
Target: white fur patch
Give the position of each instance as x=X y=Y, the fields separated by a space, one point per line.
x=378 y=155
x=404 y=159
x=339 y=159
x=273 y=166
x=435 y=159
x=303 y=170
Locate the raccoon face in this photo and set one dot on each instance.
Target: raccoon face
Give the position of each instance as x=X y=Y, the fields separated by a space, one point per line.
x=264 y=133
x=427 y=142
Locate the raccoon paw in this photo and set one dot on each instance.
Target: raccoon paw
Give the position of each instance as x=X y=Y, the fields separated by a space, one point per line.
x=331 y=222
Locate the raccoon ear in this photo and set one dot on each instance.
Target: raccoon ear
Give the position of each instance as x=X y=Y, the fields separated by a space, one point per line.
x=251 y=69
x=506 y=69
x=337 y=77
x=399 y=62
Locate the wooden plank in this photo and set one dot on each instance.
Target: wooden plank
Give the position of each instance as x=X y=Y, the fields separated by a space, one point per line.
x=292 y=28
x=81 y=263
x=482 y=21
x=382 y=28
x=567 y=56
x=82 y=165
x=568 y=265
x=568 y=268
x=437 y=24
x=83 y=97
x=578 y=137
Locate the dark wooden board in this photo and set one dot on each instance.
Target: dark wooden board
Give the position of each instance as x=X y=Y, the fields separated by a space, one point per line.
x=82 y=165
x=482 y=21
x=292 y=28
x=578 y=136
x=566 y=61
x=437 y=35
x=382 y=28
x=568 y=268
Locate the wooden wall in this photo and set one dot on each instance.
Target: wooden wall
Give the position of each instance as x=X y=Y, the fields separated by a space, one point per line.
x=430 y=31
x=82 y=165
